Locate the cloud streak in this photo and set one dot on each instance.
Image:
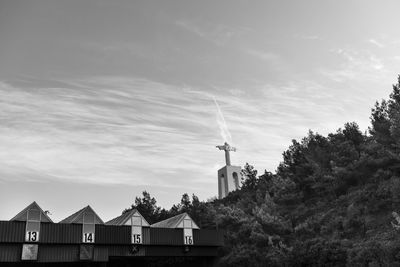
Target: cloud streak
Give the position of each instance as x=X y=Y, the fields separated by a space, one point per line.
x=223 y=127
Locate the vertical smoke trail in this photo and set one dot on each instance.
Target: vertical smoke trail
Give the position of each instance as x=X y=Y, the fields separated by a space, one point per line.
x=223 y=127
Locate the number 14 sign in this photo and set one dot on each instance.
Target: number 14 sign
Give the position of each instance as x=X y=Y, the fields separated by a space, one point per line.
x=88 y=237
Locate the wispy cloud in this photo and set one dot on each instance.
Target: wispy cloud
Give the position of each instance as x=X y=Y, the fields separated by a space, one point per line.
x=272 y=59
x=269 y=56
x=110 y=130
x=307 y=37
x=357 y=65
x=376 y=43
x=218 y=34
x=101 y=132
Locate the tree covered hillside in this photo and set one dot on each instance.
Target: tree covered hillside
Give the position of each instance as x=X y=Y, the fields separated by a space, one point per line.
x=332 y=201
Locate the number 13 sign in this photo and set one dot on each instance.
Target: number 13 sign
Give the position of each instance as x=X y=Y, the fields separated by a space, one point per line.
x=32 y=236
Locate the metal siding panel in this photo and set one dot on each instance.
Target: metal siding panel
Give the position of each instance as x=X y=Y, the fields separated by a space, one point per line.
x=111 y=234
x=166 y=236
x=61 y=233
x=100 y=253
x=12 y=231
x=126 y=251
x=146 y=235
x=161 y=251
x=205 y=237
x=10 y=252
x=58 y=253
x=178 y=251
x=86 y=252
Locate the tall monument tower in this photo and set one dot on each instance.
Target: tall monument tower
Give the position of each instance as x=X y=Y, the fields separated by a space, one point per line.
x=228 y=176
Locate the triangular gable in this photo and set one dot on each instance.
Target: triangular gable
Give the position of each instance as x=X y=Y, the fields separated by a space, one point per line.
x=132 y=217
x=85 y=215
x=73 y=217
x=137 y=219
x=169 y=223
x=187 y=222
x=34 y=211
x=179 y=221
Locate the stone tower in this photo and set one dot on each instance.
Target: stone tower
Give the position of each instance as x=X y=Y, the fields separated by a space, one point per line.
x=228 y=176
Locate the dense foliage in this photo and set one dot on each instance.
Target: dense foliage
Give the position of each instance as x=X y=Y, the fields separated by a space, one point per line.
x=332 y=201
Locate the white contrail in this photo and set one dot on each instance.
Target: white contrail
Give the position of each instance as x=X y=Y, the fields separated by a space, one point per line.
x=223 y=127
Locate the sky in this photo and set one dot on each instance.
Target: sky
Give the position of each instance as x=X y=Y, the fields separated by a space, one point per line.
x=101 y=100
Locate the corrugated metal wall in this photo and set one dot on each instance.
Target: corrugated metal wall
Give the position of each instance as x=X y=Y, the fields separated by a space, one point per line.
x=52 y=233
x=10 y=252
x=61 y=233
x=61 y=242
x=100 y=253
x=146 y=235
x=58 y=253
x=12 y=231
x=178 y=251
x=70 y=253
x=166 y=236
x=111 y=234
x=208 y=238
x=126 y=251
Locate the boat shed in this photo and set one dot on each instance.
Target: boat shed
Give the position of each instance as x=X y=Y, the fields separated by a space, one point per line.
x=31 y=238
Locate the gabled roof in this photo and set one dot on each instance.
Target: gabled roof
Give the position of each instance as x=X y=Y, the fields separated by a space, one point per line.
x=125 y=218
x=77 y=217
x=23 y=214
x=175 y=222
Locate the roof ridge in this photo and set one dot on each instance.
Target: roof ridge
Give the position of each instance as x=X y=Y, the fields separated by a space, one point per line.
x=73 y=215
x=35 y=204
x=98 y=217
x=178 y=217
x=126 y=214
x=123 y=218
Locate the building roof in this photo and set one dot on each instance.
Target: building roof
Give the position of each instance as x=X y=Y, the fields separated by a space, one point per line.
x=23 y=214
x=77 y=217
x=175 y=222
x=125 y=218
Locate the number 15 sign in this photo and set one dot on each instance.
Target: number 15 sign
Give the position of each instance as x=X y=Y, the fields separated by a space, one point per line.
x=137 y=235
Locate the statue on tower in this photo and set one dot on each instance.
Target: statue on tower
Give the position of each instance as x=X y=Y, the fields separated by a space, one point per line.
x=228 y=176
x=226 y=147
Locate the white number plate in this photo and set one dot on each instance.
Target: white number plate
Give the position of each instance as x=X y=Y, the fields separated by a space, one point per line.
x=32 y=236
x=137 y=239
x=88 y=237
x=188 y=240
